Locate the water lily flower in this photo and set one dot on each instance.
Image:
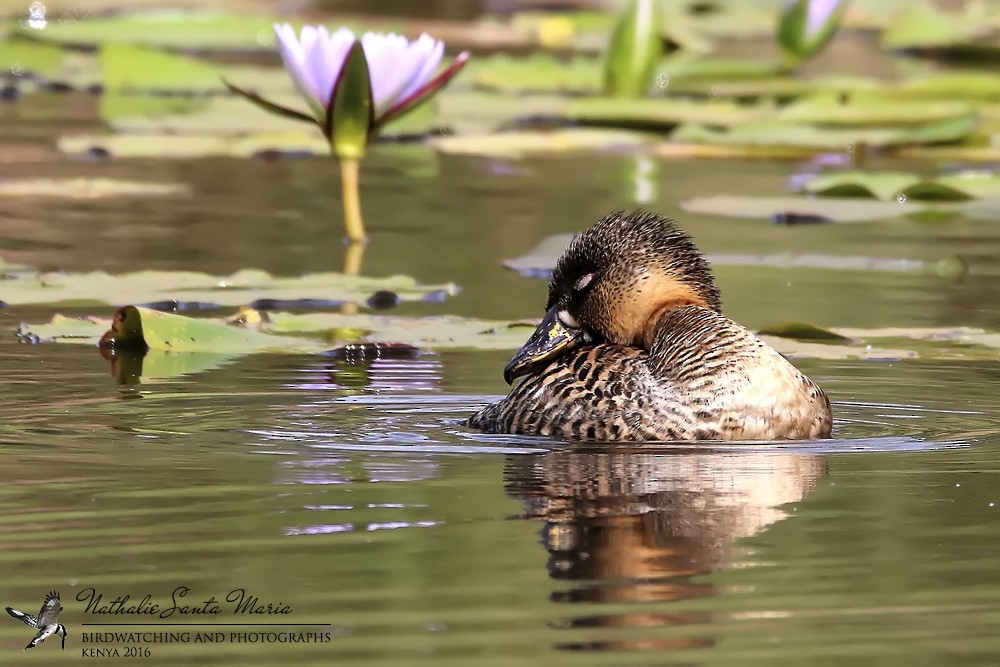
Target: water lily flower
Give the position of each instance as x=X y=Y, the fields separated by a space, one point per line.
x=805 y=27
x=354 y=87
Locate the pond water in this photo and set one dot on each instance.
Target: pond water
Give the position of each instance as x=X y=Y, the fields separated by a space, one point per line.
x=349 y=492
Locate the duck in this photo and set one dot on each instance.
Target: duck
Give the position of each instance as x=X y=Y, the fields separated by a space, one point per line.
x=634 y=347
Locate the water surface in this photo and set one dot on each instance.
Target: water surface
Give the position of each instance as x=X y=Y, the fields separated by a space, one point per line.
x=350 y=492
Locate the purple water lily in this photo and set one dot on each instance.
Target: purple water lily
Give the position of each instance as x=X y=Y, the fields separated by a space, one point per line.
x=354 y=87
x=401 y=72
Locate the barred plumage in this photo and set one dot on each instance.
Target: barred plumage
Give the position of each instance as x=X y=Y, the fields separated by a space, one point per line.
x=672 y=367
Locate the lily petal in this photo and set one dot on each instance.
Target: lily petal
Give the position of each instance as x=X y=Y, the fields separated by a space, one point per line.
x=393 y=63
x=820 y=12
x=422 y=94
x=294 y=60
x=430 y=65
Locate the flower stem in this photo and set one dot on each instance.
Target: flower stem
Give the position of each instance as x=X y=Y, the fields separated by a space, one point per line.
x=352 y=267
x=352 y=200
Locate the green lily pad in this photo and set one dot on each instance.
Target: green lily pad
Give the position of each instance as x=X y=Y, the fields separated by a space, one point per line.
x=283 y=333
x=870 y=109
x=173 y=29
x=156 y=330
x=130 y=68
x=949 y=86
x=536 y=73
x=87 y=188
x=803 y=331
x=888 y=185
x=775 y=208
x=816 y=137
x=21 y=56
x=193 y=146
x=655 y=113
x=540 y=261
x=243 y=287
x=923 y=26
x=249 y=331
x=521 y=144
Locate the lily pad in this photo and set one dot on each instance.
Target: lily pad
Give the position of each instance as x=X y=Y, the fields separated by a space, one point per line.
x=283 y=333
x=924 y=27
x=803 y=331
x=655 y=113
x=251 y=331
x=950 y=86
x=889 y=185
x=129 y=68
x=521 y=144
x=870 y=109
x=244 y=287
x=181 y=146
x=87 y=188
x=536 y=73
x=22 y=57
x=777 y=208
x=174 y=29
x=816 y=137
x=138 y=327
x=540 y=261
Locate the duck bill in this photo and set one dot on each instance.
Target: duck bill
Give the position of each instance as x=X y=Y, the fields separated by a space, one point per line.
x=548 y=341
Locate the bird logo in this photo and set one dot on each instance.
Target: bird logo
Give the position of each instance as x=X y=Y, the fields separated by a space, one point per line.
x=46 y=622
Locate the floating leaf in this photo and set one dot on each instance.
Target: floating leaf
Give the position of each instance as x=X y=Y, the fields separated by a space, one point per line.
x=87 y=188
x=521 y=144
x=174 y=29
x=129 y=68
x=279 y=332
x=889 y=185
x=540 y=261
x=802 y=331
x=134 y=326
x=777 y=133
x=536 y=73
x=950 y=86
x=27 y=57
x=243 y=287
x=772 y=208
x=181 y=146
x=655 y=113
x=923 y=26
x=870 y=109
x=284 y=333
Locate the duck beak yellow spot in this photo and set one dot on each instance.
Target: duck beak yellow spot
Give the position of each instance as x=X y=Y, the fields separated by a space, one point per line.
x=549 y=340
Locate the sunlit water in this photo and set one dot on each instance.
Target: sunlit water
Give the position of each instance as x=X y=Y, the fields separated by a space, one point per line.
x=351 y=493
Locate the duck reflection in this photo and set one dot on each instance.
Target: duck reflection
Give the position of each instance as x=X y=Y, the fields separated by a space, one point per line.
x=635 y=527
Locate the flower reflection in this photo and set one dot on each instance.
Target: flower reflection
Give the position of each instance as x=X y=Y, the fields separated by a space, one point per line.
x=636 y=527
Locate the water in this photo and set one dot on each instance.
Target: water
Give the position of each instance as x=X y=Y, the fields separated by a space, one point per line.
x=351 y=494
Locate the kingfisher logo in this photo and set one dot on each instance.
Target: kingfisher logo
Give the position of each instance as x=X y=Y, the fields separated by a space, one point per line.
x=46 y=623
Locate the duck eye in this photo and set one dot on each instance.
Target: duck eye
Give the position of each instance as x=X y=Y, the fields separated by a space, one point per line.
x=582 y=283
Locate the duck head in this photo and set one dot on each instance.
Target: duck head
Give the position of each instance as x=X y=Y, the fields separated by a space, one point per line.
x=613 y=283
